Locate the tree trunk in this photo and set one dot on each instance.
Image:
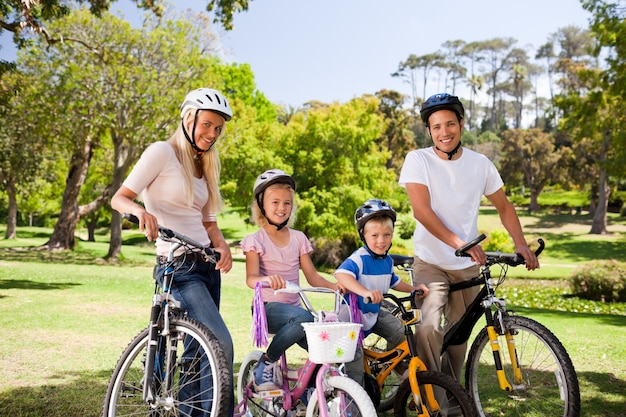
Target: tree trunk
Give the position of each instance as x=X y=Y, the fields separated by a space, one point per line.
x=11 y=233
x=63 y=235
x=598 y=227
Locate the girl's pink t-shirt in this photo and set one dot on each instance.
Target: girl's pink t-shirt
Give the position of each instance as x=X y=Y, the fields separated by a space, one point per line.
x=274 y=260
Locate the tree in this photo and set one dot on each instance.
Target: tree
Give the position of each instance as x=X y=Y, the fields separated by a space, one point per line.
x=532 y=153
x=398 y=137
x=593 y=107
x=497 y=53
x=21 y=147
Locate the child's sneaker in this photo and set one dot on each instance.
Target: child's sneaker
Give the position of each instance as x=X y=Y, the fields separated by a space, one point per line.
x=264 y=375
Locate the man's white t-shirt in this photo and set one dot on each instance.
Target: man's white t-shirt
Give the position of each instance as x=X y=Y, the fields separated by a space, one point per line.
x=456 y=189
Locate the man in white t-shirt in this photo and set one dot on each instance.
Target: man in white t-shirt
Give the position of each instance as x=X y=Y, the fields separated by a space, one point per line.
x=445 y=184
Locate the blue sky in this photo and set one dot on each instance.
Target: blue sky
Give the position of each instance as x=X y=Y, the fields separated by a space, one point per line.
x=335 y=50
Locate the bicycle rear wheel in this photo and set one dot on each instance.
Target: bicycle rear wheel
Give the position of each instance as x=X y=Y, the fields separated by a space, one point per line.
x=344 y=398
x=452 y=399
x=195 y=379
x=549 y=386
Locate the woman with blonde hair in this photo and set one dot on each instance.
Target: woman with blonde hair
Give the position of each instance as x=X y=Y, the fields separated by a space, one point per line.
x=178 y=181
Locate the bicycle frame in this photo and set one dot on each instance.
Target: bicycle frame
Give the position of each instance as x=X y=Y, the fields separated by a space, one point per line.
x=394 y=357
x=482 y=306
x=298 y=378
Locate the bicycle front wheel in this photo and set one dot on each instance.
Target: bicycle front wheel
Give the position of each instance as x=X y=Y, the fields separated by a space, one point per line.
x=344 y=397
x=190 y=376
x=451 y=398
x=549 y=386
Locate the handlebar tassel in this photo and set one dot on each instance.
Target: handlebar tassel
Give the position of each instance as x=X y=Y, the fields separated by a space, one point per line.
x=355 y=315
x=258 y=331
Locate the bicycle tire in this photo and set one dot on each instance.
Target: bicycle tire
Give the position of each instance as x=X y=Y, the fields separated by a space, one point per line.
x=457 y=401
x=551 y=383
x=254 y=407
x=124 y=395
x=344 y=397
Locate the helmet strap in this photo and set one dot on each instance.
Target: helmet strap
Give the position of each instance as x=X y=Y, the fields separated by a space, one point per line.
x=452 y=152
x=191 y=140
x=259 y=201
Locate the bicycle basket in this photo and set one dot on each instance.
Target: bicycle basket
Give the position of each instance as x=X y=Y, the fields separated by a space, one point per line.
x=331 y=342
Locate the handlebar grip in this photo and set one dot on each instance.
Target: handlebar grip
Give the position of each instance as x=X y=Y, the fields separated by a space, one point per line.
x=131 y=218
x=461 y=251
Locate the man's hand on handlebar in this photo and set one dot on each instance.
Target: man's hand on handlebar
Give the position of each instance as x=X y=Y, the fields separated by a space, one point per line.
x=529 y=256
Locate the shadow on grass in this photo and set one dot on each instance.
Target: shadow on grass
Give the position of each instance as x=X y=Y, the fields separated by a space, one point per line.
x=608 y=319
x=579 y=251
x=601 y=395
x=34 y=285
x=82 y=397
x=77 y=257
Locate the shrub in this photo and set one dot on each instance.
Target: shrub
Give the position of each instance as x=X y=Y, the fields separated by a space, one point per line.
x=600 y=281
x=405 y=226
x=498 y=240
x=330 y=253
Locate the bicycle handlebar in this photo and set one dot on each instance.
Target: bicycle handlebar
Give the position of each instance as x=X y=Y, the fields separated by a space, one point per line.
x=211 y=255
x=511 y=259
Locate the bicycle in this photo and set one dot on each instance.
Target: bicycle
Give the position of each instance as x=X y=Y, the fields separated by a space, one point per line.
x=175 y=366
x=417 y=391
x=536 y=377
x=318 y=388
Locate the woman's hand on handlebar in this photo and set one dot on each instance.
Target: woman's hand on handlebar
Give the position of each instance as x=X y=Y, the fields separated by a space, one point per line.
x=225 y=262
x=148 y=225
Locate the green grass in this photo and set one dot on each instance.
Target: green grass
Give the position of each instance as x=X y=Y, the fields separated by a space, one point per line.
x=67 y=316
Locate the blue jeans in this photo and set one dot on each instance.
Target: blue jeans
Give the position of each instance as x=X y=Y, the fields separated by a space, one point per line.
x=284 y=320
x=197 y=287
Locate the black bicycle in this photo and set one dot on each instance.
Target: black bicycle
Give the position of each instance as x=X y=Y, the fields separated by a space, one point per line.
x=175 y=366
x=534 y=375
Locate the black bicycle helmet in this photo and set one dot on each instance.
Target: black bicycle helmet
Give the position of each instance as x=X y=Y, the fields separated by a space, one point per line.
x=443 y=101
x=370 y=209
x=270 y=177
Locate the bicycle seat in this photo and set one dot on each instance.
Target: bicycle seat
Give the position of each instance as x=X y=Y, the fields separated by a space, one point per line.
x=401 y=260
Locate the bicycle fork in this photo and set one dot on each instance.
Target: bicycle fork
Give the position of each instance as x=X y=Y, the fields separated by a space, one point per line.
x=493 y=334
x=415 y=365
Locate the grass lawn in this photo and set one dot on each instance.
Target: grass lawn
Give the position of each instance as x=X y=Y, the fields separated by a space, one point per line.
x=67 y=316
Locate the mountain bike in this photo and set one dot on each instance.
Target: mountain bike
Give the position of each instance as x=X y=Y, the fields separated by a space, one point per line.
x=399 y=376
x=175 y=366
x=536 y=376
x=318 y=388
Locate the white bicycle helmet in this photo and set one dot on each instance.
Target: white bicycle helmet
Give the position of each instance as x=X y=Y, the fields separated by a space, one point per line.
x=269 y=177
x=207 y=99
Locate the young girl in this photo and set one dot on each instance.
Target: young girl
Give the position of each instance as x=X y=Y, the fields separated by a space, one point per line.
x=275 y=254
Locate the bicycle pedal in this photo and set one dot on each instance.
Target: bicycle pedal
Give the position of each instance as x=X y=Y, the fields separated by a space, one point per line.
x=269 y=393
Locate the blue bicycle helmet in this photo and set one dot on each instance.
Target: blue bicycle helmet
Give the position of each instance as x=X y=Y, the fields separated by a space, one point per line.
x=370 y=209
x=443 y=101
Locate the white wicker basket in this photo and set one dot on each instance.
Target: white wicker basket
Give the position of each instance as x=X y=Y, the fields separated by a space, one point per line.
x=331 y=342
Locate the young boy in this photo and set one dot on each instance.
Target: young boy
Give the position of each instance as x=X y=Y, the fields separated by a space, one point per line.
x=368 y=272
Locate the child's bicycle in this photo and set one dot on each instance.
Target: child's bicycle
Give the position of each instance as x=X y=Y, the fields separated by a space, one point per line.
x=318 y=388
x=397 y=376
x=175 y=366
x=536 y=376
